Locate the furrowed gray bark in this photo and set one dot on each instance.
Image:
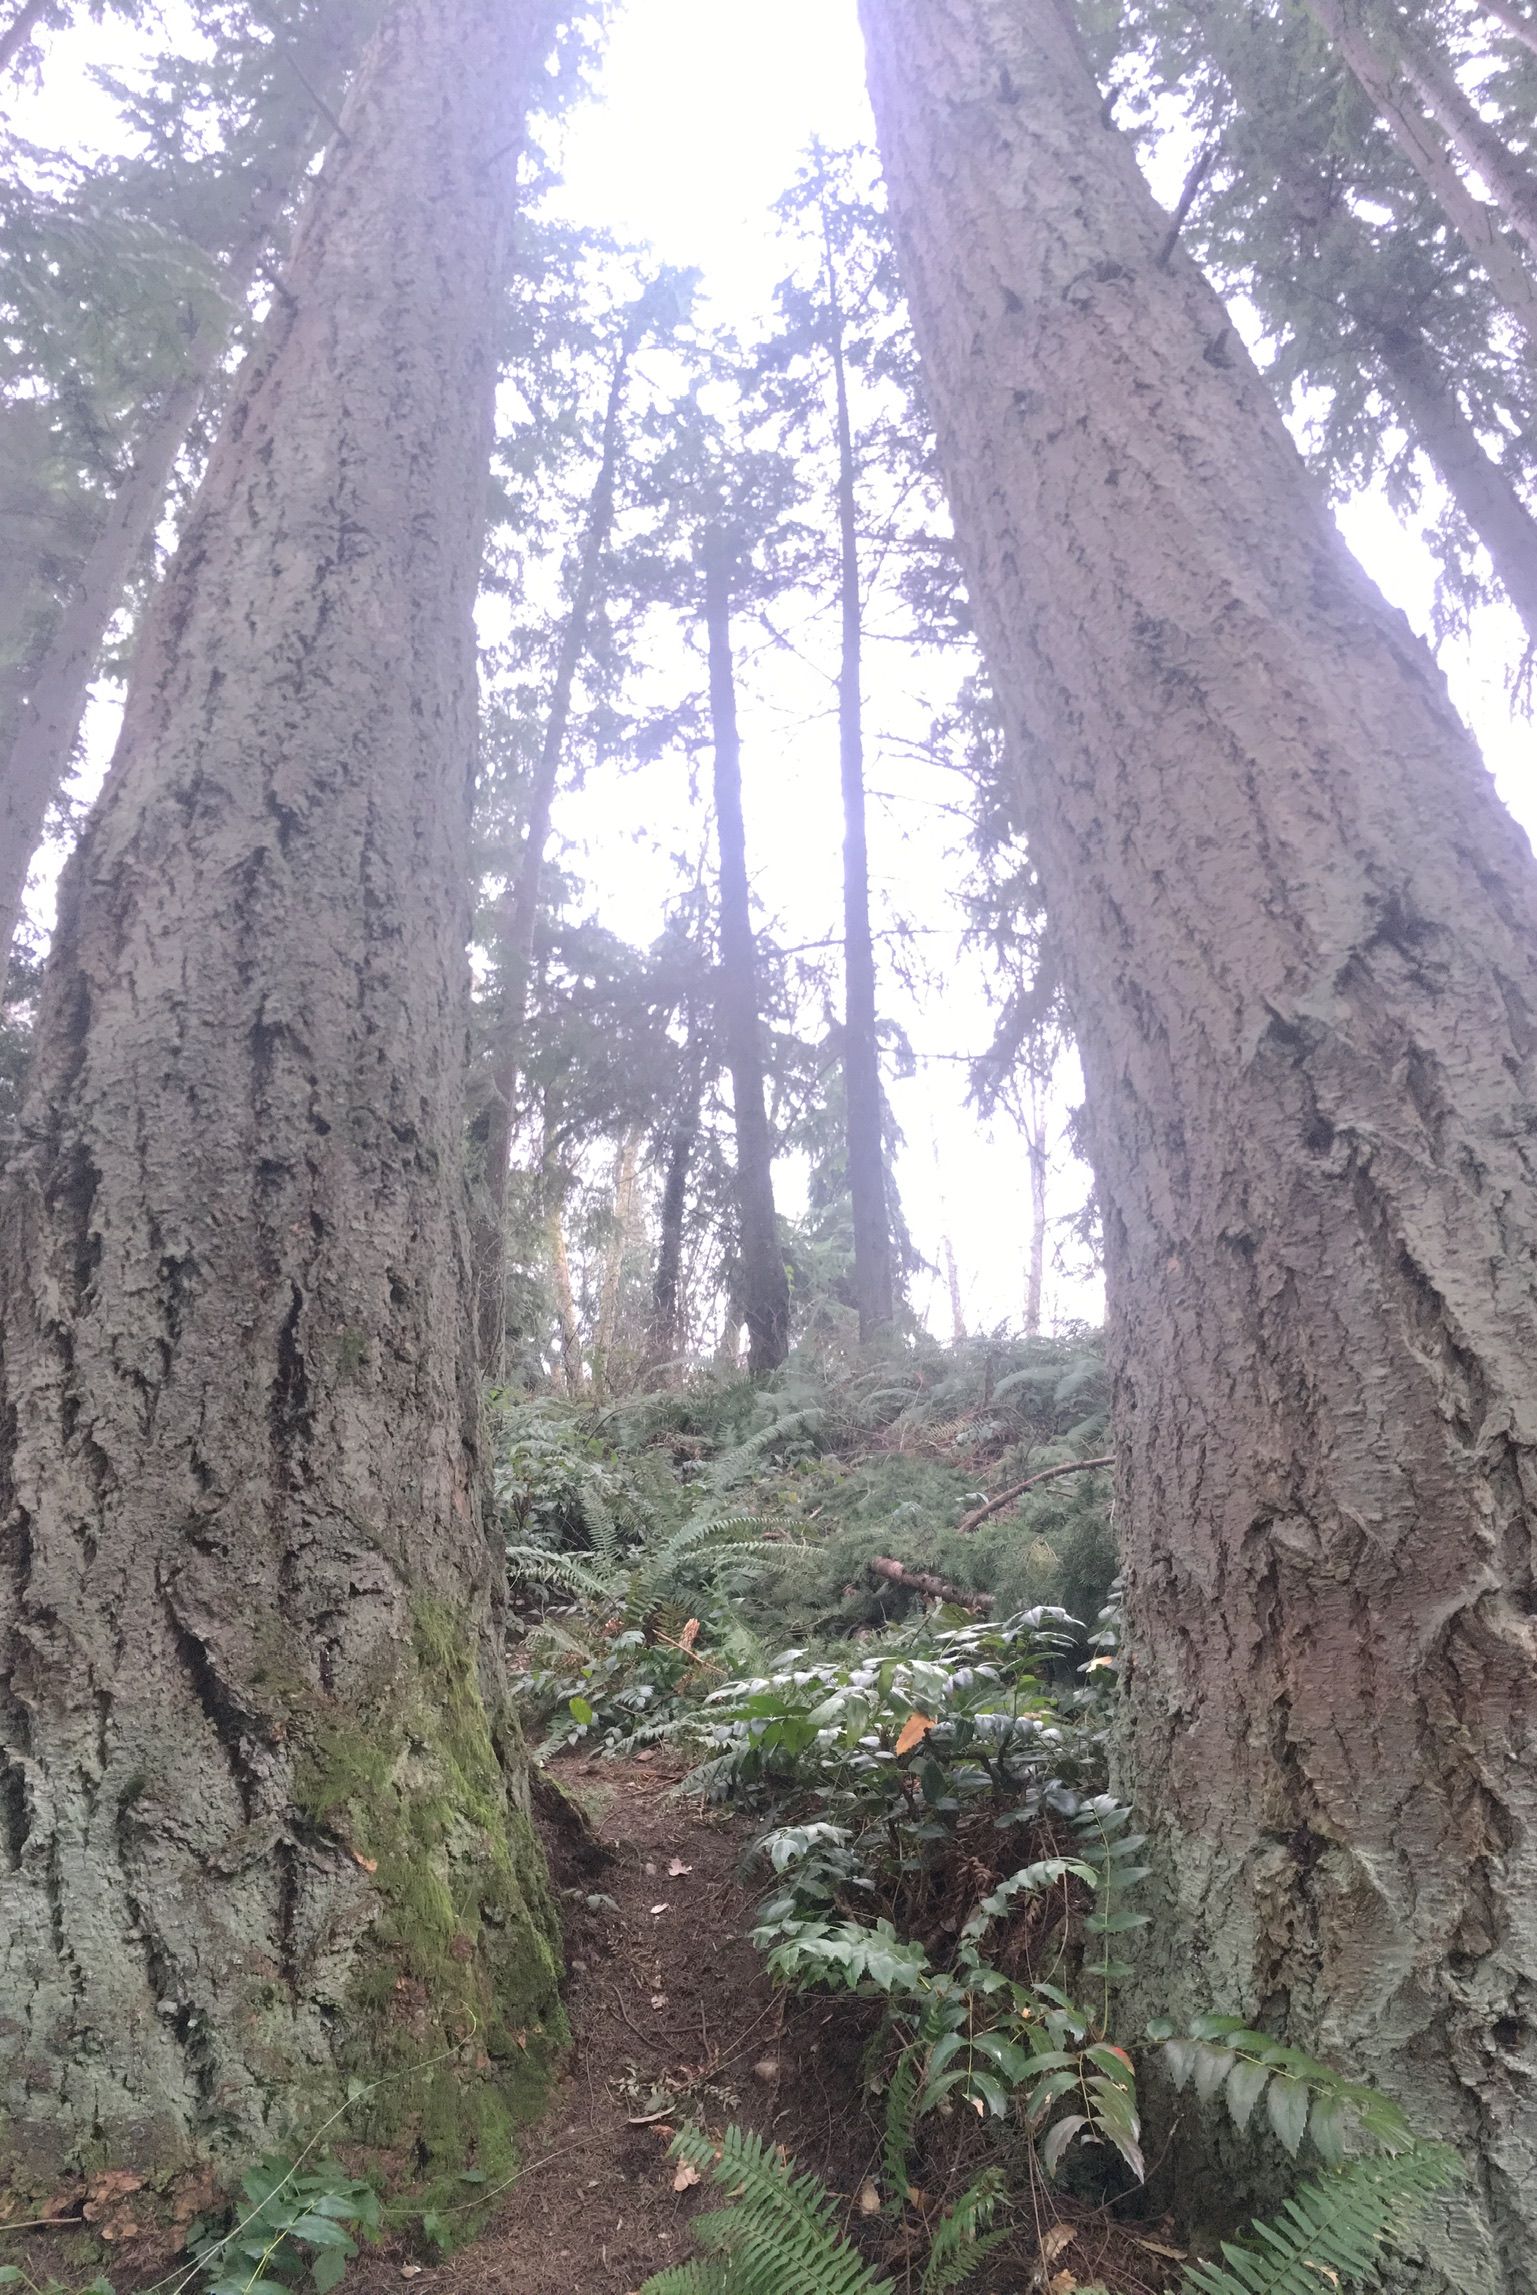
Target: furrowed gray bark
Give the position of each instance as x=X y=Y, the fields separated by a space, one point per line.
x=1300 y=939
x=40 y=720
x=263 y=1814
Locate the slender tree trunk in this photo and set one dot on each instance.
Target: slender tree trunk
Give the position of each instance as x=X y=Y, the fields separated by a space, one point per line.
x=1476 y=143
x=517 y=919
x=1492 y=506
x=1515 y=21
x=953 y=1280
x=566 y=1319
x=611 y=1290
x=263 y=1816
x=1300 y=942
x=1477 y=223
x=18 y=32
x=666 y=1289
x=40 y=743
x=1035 y=1152
x=765 y=1290
x=863 y=1129
x=1420 y=393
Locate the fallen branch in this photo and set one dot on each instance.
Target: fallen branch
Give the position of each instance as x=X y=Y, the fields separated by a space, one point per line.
x=925 y=1582
x=1004 y=1498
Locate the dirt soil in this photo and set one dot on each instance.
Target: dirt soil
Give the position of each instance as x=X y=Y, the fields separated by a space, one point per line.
x=673 y=2020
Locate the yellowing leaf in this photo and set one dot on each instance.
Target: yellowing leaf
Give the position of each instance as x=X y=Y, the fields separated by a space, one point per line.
x=914 y=1730
x=869 y=2198
x=369 y=1864
x=684 y=2176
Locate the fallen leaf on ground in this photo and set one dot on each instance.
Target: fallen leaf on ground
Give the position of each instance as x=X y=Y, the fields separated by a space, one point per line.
x=412 y=2270
x=677 y=1869
x=1157 y=2247
x=1063 y=2284
x=869 y=2198
x=686 y=2175
x=1060 y=2235
x=914 y=1730
x=658 y=1908
x=659 y=2000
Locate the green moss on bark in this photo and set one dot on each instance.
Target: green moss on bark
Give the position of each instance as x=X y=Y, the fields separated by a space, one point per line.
x=452 y=2018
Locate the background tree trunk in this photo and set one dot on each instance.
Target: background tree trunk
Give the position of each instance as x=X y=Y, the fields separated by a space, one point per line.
x=517 y=915
x=263 y=1813
x=1477 y=144
x=1300 y=940
x=666 y=1289
x=1519 y=25
x=611 y=1290
x=1477 y=484
x=1477 y=223
x=765 y=1290
x=863 y=1128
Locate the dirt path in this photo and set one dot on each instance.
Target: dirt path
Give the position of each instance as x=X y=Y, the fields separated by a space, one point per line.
x=672 y=2018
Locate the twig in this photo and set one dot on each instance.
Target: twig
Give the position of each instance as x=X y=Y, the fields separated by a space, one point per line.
x=979 y=1514
x=1187 y=197
x=925 y=1582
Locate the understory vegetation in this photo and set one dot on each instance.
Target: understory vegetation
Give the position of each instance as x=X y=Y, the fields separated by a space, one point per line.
x=940 y=1845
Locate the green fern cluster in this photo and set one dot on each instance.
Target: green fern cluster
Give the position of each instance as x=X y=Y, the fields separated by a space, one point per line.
x=1331 y=2232
x=779 y=2235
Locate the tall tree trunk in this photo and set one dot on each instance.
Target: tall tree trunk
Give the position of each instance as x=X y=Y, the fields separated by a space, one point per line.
x=263 y=1817
x=1476 y=483
x=953 y=1281
x=863 y=1129
x=517 y=916
x=1419 y=392
x=1476 y=143
x=765 y=1289
x=1515 y=21
x=1300 y=940
x=1479 y=225
x=40 y=743
x=566 y=1321
x=18 y=32
x=611 y=1289
x=666 y=1288
x=1034 y=1129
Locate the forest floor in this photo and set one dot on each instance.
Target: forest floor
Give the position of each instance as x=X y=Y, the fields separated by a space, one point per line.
x=674 y=2019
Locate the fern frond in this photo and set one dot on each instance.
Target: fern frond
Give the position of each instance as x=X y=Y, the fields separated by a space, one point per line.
x=690 y=2279
x=1332 y=2230
x=901 y=2111
x=541 y=1565
x=963 y=2240
x=779 y=2235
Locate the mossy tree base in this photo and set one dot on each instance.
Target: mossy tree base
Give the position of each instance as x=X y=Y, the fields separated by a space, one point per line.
x=451 y=2020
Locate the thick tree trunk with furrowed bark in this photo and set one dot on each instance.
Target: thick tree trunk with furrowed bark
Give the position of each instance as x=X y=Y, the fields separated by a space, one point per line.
x=1300 y=939
x=261 y=1810
x=43 y=700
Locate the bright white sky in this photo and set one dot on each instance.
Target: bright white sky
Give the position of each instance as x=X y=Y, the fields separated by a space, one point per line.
x=704 y=111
